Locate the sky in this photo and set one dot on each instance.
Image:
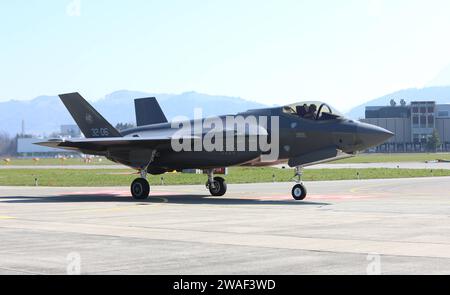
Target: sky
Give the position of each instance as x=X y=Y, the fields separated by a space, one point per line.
x=344 y=52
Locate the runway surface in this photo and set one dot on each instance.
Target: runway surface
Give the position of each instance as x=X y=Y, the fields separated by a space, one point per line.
x=255 y=229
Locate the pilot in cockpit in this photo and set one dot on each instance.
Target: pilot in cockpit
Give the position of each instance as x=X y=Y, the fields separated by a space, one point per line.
x=315 y=111
x=302 y=110
x=312 y=112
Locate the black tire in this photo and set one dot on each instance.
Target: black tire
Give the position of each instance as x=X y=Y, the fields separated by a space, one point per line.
x=140 y=189
x=299 y=192
x=220 y=187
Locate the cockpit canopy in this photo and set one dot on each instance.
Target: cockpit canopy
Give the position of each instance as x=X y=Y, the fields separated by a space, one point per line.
x=313 y=110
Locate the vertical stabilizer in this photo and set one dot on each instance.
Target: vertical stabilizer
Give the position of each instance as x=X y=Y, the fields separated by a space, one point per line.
x=91 y=123
x=148 y=112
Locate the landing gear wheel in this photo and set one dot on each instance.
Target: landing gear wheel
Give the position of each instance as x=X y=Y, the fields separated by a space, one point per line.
x=299 y=192
x=140 y=189
x=218 y=188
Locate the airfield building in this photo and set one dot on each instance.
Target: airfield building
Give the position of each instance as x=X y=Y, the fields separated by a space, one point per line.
x=26 y=146
x=413 y=125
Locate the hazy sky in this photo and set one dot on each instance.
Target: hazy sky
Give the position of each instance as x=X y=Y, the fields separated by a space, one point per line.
x=341 y=51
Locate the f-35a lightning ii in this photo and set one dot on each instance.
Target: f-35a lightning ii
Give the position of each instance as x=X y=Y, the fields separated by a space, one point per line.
x=301 y=134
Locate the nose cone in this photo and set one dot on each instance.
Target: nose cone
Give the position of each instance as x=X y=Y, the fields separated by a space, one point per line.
x=371 y=135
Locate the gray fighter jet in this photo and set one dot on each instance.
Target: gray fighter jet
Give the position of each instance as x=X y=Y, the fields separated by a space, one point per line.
x=300 y=135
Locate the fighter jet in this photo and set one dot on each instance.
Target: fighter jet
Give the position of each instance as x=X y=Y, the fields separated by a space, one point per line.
x=300 y=135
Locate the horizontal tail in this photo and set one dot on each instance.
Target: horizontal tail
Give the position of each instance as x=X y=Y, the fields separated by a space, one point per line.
x=91 y=123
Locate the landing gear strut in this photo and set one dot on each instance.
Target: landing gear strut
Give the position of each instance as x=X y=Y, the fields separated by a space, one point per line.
x=299 y=191
x=140 y=188
x=216 y=185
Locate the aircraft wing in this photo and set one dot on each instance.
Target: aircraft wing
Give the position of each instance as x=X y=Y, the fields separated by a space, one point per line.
x=103 y=144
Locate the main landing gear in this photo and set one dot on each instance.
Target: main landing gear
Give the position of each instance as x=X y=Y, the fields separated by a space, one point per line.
x=140 y=188
x=299 y=191
x=216 y=185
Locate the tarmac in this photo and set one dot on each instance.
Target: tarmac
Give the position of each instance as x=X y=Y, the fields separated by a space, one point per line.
x=399 y=226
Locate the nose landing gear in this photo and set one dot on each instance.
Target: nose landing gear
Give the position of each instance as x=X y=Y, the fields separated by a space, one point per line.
x=299 y=191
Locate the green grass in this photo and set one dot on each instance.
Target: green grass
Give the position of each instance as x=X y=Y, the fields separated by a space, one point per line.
x=53 y=162
x=363 y=158
x=394 y=158
x=101 y=177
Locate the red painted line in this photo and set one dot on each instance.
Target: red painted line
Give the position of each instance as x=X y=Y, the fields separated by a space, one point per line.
x=117 y=193
x=316 y=197
x=338 y=197
x=126 y=193
x=105 y=192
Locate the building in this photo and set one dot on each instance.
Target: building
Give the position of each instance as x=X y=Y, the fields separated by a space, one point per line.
x=412 y=125
x=26 y=148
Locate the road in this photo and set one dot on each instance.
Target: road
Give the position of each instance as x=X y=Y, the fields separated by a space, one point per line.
x=255 y=229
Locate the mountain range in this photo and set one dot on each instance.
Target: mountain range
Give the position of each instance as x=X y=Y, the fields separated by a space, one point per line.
x=441 y=79
x=45 y=114
x=440 y=94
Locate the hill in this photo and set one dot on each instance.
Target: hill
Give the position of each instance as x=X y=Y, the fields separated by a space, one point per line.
x=45 y=114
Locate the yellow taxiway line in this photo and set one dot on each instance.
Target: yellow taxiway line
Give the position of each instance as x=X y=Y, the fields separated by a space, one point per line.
x=2 y=217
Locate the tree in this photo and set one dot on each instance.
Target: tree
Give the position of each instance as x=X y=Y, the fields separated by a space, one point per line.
x=7 y=144
x=434 y=142
x=4 y=143
x=24 y=136
x=124 y=126
x=393 y=103
x=403 y=103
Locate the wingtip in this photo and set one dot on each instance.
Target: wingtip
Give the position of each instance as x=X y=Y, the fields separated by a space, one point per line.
x=50 y=143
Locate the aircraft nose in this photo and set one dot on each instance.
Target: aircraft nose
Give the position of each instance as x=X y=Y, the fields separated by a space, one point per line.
x=371 y=135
